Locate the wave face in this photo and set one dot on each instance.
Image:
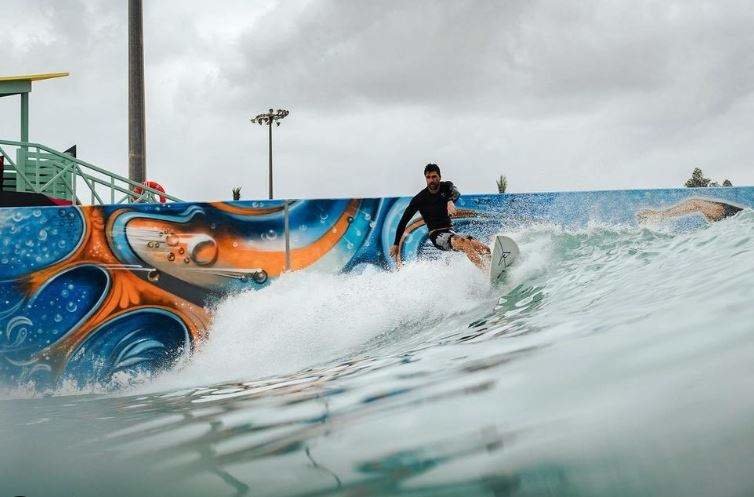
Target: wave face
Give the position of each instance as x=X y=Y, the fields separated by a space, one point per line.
x=615 y=360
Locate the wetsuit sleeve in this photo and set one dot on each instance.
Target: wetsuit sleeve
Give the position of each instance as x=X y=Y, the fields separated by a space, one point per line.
x=453 y=193
x=407 y=215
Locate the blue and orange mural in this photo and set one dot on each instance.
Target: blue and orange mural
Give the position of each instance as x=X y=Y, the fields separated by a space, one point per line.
x=90 y=293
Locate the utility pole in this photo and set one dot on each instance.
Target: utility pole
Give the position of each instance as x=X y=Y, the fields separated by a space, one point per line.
x=269 y=118
x=137 y=159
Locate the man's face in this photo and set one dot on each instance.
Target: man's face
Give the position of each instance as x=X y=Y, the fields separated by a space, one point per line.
x=433 y=181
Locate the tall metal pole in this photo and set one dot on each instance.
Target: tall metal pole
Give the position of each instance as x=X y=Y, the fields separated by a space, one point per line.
x=137 y=160
x=270 y=172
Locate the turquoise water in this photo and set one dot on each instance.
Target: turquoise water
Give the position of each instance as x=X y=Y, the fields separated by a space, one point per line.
x=614 y=361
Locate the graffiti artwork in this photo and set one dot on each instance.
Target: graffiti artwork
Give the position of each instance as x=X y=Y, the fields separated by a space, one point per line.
x=90 y=293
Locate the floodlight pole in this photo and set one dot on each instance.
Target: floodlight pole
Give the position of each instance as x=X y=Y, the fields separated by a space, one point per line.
x=269 y=172
x=269 y=118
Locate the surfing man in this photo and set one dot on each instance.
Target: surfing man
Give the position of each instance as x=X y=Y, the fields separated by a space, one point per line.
x=436 y=204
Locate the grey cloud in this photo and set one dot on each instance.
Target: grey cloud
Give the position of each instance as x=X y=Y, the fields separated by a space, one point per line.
x=515 y=59
x=557 y=95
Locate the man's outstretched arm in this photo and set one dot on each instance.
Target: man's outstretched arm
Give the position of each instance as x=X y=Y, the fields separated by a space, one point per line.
x=407 y=215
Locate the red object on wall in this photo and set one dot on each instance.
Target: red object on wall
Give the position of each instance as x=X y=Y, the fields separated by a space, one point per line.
x=153 y=185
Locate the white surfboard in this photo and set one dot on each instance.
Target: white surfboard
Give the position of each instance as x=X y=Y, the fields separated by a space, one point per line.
x=504 y=253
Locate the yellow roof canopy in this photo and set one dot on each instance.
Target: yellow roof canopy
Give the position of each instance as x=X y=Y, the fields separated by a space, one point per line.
x=34 y=77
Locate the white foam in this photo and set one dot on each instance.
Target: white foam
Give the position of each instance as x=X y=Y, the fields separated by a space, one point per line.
x=307 y=318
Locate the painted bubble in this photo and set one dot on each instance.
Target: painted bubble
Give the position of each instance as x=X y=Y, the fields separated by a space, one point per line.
x=204 y=252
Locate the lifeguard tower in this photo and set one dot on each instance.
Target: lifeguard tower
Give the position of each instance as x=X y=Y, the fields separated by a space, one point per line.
x=34 y=166
x=40 y=175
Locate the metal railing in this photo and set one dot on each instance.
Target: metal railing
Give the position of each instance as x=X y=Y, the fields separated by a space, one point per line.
x=41 y=169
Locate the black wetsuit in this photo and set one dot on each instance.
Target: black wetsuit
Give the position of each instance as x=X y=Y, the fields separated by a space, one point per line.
x=433 y=208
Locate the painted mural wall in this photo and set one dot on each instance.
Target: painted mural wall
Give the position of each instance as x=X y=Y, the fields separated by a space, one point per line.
x=89 y=293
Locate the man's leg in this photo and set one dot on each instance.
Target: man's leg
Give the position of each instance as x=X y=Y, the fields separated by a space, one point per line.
x=480 y=247
x=483 y=250
x=464 y=245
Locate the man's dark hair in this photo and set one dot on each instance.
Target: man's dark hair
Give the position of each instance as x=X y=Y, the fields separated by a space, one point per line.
x=432 y=168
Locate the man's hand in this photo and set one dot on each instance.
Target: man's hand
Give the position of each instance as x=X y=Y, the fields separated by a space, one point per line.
x=394 y=251
x=451 y=208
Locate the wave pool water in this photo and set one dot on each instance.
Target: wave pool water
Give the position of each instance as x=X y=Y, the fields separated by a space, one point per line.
x=614 y=361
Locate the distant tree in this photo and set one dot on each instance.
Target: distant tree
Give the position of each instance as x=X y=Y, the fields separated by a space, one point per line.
x=727 y=183
x=697 y=179
x=502 y=184
x=237 y=193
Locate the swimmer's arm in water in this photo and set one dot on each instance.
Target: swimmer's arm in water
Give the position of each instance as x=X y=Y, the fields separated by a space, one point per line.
x=407 y=215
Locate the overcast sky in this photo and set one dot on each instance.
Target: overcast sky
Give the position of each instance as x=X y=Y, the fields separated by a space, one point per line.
x=556 y=95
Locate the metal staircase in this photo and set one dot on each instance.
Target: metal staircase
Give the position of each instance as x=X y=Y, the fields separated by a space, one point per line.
x=40 y=169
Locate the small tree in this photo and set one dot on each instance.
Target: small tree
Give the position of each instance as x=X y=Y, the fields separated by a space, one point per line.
x=727 y=183
x=237 y=193
x=502 y=184
x=697 y=179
